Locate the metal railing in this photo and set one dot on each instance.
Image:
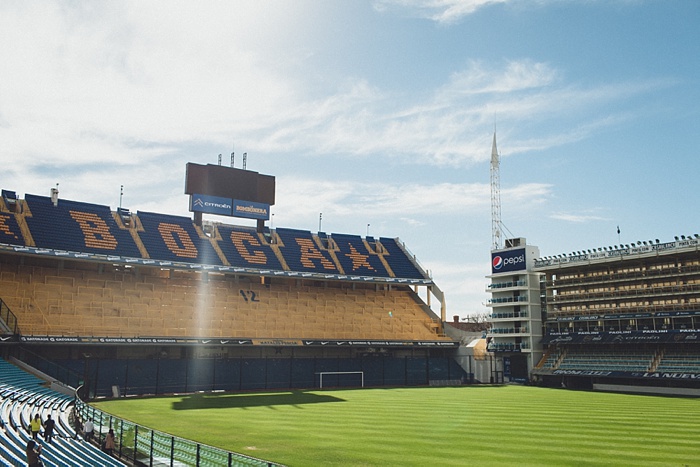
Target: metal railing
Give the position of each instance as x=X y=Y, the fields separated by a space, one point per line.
x=506 y=285
x=8 y=321
x=518 y=299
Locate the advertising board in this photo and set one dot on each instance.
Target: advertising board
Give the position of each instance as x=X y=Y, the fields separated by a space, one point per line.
x=508 y=261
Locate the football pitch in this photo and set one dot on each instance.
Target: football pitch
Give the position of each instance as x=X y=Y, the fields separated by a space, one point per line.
x=450 y=426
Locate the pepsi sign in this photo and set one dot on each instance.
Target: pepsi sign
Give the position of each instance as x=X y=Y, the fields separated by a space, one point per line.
x=507 y=261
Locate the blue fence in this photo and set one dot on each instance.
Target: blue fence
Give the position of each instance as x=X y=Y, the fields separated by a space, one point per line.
x=165 y=376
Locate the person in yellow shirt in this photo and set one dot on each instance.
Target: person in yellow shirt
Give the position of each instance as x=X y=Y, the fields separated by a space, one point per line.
x=35 y=426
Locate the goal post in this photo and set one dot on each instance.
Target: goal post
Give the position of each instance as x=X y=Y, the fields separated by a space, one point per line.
x=321 y=374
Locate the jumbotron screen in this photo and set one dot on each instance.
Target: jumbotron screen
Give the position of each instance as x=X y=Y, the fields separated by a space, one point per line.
x=229 y=182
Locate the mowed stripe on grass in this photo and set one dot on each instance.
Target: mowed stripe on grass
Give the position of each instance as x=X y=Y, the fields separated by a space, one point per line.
x=432 y=426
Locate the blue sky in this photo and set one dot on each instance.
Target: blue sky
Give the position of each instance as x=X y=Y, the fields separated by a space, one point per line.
x=370 y=112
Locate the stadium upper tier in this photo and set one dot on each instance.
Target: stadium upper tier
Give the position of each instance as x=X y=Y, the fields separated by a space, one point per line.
x=96 y=232
x=114 y=301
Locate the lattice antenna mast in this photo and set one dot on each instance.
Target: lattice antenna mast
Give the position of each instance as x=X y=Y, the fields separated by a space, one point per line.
x=495 y=197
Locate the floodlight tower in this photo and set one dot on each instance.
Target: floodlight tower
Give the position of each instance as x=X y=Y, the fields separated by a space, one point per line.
x=495 y=197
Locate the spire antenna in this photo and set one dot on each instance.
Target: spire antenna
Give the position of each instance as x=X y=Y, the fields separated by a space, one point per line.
x=495 y=196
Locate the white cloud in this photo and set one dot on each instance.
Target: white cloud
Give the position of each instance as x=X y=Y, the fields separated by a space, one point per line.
x=440 y=11
x=135 y=82
x=514 y=76
x=96 y=76
x=413 y=204
x=578 y=218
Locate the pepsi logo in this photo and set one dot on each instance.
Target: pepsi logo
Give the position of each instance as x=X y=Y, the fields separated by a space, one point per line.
x=497 y=263
x=508 y=262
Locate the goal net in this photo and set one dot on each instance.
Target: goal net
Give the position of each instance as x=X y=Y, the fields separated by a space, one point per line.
x=332 y=377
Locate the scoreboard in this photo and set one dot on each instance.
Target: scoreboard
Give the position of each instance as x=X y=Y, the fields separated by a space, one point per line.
x=229 y=191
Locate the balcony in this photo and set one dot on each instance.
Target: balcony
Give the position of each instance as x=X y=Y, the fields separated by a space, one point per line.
x=520 y=330
x=505 y=285
x=507 y=347
x=506 y=300
x=509 y=315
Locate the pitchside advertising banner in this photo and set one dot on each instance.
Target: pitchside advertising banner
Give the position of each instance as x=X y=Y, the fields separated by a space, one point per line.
x=219 y=342
x=229 y=207
x=507 y=261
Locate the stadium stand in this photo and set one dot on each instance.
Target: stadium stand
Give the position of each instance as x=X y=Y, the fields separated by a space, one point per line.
x=149 y=303
x=679 y=362
x=145 y=278
x=302 y=253
x=396 y=258
x=22 y=396
x=88 y=300
x=10 y=232
x=245 y=247
x=355 y=258
x=79 y=227
x=175 y=238
x=605 y=361
x=626 y=315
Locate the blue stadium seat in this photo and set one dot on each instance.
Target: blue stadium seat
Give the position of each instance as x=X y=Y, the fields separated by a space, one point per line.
x=355 y=258
x=22 y=395
x=174 y=238
x=302 y=254
x=243 y=248
x=91 y=228
x=399 y=263
x=74 y=226
x=9 y=230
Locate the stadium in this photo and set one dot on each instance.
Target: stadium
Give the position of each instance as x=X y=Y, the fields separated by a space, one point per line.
x=121 y=304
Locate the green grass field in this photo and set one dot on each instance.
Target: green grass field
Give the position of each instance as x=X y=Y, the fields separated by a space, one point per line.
x=470 y=425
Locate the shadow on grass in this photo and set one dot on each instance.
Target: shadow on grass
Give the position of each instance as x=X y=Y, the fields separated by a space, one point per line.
x=222 y=401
